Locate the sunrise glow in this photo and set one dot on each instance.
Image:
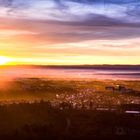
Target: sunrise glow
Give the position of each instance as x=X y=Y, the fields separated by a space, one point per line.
x=4 y=60
x=66 y=32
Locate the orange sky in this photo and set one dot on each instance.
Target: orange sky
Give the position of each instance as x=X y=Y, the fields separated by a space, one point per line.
x=68 y=37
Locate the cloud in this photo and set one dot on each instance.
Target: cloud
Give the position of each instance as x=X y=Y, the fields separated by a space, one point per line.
x=55 y=22
x=67 y=10
x=53 y=32
x=58 y=21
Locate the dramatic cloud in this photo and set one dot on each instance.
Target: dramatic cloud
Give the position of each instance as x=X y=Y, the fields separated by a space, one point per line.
x=67 y=10
x=61 y=27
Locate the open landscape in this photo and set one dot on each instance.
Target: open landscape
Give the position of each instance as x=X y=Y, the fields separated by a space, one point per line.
x=50 y=89
x=69 y=69
x=48 y=108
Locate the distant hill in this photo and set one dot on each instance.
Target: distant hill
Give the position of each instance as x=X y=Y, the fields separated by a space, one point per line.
x=104 y=67
x=98 y=67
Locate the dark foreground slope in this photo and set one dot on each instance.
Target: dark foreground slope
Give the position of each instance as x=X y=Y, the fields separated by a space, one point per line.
x=42 y=121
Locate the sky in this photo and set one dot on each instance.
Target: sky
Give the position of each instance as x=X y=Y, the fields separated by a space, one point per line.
x=70 y=32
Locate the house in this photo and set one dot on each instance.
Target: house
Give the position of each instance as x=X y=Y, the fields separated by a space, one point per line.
x=110 y=88
x=119 y=88
x=130 y=108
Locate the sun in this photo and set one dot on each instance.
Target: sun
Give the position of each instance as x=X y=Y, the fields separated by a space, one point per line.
x=4 y=60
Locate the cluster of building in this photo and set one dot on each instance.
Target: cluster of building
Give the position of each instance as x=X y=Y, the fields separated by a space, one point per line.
x=89 y=99
x=75 y=100
x=119 y=88
x=82 y=98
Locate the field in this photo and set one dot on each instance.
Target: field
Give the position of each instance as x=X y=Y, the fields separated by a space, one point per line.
x=33 y=108
x=30 y=89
